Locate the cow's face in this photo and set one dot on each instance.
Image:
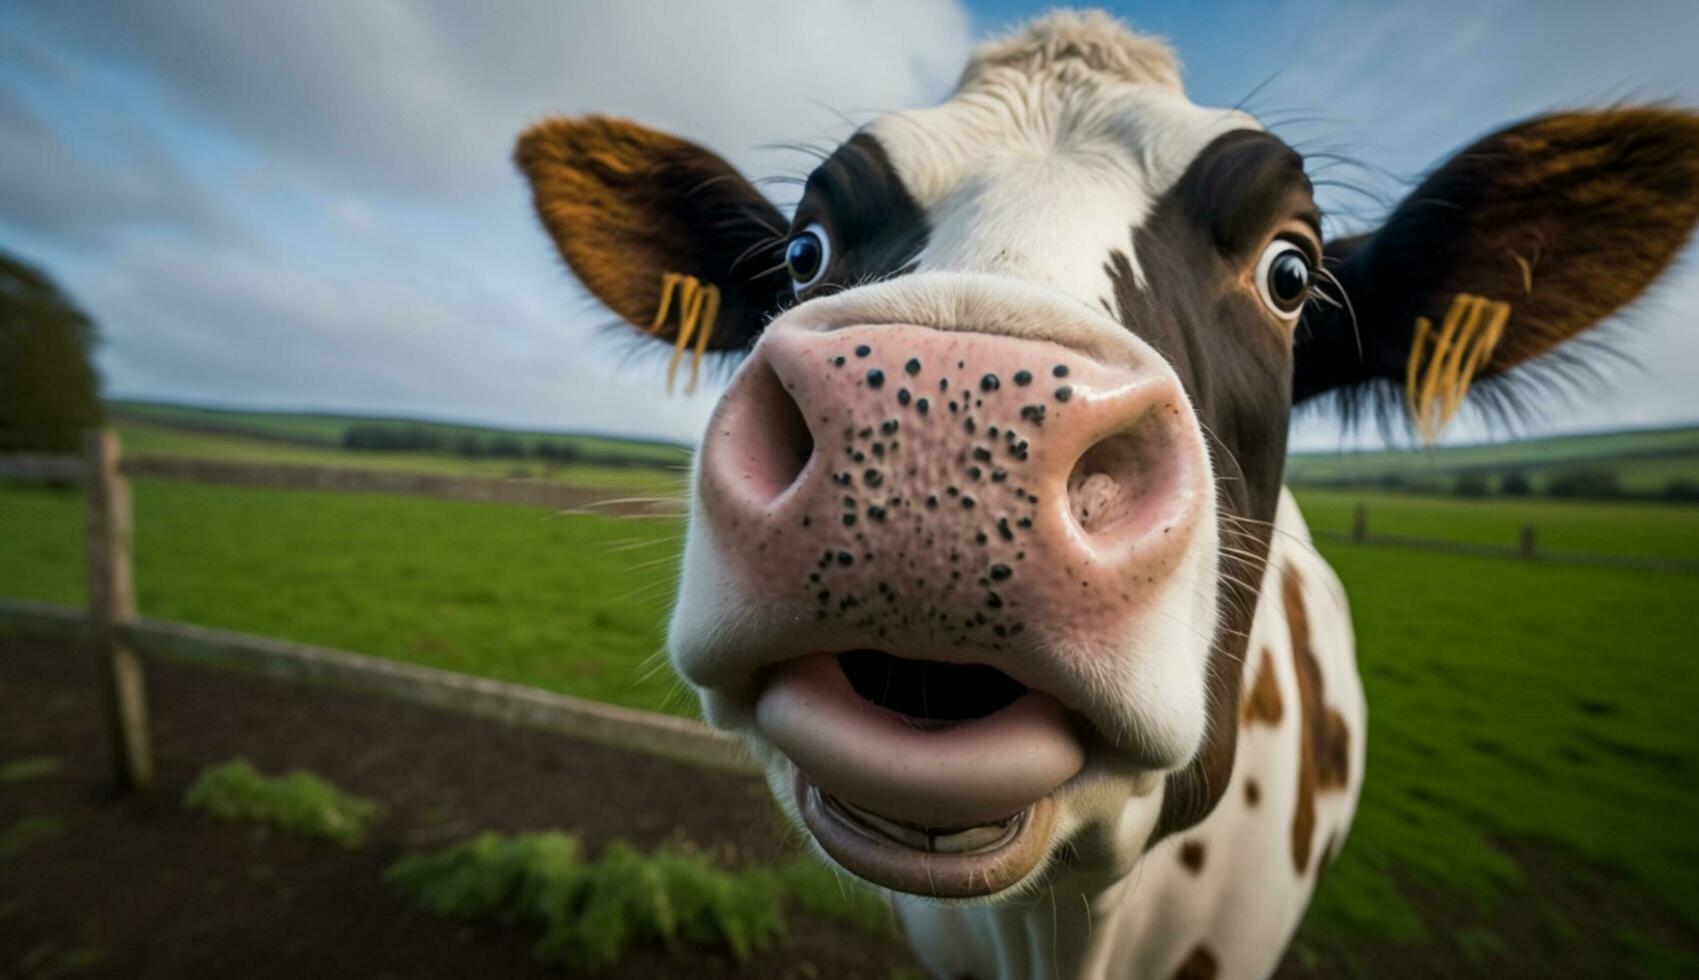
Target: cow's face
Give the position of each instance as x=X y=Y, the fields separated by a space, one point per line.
x=978 y=528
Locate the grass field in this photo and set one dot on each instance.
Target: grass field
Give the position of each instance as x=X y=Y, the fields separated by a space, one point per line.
x=1531 y=730
x=1650 y=529
x=164 y=440
x=567 y=603
x=1644 y=461
x=1544 y=707
x=328 y=429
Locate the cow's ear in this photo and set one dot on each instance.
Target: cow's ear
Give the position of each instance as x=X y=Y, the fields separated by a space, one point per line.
x=667 y=234
x=1515 y=245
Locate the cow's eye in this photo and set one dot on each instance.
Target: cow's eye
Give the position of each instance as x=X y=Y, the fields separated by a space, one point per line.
x=1283 y=278
x=807 y=255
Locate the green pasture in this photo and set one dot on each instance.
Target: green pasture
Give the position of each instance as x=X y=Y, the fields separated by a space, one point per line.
x=328 y=428
x=165 y=440
x=1644 y=461
x=1532 y=752
x=1634 y=529
x=567 y=603
x=1519 y=708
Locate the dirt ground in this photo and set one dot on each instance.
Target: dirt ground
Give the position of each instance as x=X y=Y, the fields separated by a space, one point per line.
x=142 y=889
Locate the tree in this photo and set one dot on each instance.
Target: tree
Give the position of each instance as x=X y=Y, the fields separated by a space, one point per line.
x=1515 y=484
x=49 y=391
x=1472 y=485
x=1586 y=483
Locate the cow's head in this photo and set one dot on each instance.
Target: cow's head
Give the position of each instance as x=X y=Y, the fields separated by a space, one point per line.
x=979 y=526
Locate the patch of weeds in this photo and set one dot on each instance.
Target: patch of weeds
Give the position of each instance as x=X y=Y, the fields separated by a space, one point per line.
x=299 y=804
x=812 y=887
x=28 y=831
x=27 y=768
x=590 y=912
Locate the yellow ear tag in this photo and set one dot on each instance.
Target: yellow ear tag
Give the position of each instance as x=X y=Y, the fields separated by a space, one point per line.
x=1441 y=366
x=698 y=308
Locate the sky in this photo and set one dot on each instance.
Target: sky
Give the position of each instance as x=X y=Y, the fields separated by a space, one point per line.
x=311 y=205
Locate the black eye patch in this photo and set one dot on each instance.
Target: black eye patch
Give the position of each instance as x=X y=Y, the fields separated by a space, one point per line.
x=877 y=229
x=1240 y=187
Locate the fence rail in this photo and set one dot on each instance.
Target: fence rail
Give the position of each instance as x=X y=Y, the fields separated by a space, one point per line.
x=155 y=640
x=40 y=468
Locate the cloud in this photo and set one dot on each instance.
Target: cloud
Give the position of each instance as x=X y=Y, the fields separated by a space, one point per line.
x=385 y=257
x=311 y=203
x=239 y=328
x=427 y=97
x=48 y=187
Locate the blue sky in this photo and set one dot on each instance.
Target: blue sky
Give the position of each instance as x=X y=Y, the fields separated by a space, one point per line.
x=310 y=205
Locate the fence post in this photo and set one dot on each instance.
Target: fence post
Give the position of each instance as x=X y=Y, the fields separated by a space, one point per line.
x=1360 y=524
x=112 y=602
x=1530 y=543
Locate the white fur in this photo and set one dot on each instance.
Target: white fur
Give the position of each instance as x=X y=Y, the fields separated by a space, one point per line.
x=1039 y=166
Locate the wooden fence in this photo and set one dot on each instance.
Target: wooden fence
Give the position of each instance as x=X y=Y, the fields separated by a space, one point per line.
x=123 y=639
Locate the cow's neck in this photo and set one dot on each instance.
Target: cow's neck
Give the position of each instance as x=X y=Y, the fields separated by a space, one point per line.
x=1072 y=930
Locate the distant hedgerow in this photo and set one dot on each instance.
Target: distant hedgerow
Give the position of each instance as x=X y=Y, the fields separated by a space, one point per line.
x=299 y=804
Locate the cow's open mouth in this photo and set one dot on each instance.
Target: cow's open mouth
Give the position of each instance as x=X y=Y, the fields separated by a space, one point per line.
x=921 y=776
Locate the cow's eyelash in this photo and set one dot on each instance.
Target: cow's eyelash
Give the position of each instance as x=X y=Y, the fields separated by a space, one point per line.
x=1309 y=243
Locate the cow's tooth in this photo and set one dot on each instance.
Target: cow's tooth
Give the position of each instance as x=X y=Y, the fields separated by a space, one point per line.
x=971 y=839
x=908 y=836
x=955 y=841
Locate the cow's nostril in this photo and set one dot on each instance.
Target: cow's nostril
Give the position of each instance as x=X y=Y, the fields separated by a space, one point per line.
x=781 y=446
x=1118 y=479
x=929 y=691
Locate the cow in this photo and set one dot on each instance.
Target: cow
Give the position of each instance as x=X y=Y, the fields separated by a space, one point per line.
x=989 y=560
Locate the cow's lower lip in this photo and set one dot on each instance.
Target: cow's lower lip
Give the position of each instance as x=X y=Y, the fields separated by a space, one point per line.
x=960 y=862
x=965 y=774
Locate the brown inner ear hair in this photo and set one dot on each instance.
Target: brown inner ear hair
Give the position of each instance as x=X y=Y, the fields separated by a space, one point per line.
x=628 y=206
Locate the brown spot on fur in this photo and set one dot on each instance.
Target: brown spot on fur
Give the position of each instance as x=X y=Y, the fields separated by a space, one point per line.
x=1262 y=700
x=1191 y=855
x=1253 y=793
x=1323 y=740
x=1200 y=965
